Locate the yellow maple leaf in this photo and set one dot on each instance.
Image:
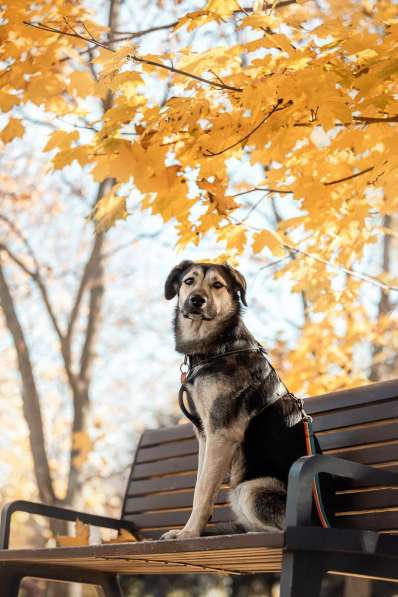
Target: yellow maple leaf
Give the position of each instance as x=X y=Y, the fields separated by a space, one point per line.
x=61 y=140
x=81 y=84
x=217 y=198
x=8 y=101
x=81 y=537
x=13 y=130
x=123 y=536
x=267 y=238
x=82 y=445
x=108 y=210
x=66 y=157
x=259 y=20
x=223 y=8
x=235 y=236
x=193 y=20
x=111 y=62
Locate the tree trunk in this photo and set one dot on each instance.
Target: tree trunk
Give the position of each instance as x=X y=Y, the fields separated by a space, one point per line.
x=377 y=371
x=30 y=395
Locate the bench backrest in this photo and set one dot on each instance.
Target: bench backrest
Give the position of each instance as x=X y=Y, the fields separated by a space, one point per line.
x=360 y=424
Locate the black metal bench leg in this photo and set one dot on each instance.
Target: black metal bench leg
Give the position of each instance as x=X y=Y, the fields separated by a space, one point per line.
x=302 y=574
x=110 y=586
x=9 y=583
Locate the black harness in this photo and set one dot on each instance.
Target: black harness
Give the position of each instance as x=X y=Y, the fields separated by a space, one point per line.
x=189 y=372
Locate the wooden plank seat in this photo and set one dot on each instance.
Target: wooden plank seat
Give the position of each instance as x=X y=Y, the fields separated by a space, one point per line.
x=356 y=428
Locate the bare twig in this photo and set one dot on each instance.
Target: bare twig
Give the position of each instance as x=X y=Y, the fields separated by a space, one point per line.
x=135 y=34
x=266 y=190
x=356 y=120
x=133 y=56
x=285 y=192
x=349 y=177
x=185 y=74
x=276 y=108
x=254 y=207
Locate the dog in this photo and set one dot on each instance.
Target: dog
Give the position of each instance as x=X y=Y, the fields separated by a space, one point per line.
x=246 y=421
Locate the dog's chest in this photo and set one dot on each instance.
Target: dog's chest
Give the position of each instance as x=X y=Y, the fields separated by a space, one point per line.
x=212 y=398
x=204 y=393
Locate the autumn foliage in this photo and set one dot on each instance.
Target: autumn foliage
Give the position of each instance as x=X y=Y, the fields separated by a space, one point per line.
x=304 y=93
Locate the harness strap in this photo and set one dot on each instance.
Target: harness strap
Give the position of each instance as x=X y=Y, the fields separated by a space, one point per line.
x=316 y=489
x=193 y=418
x=188 y=372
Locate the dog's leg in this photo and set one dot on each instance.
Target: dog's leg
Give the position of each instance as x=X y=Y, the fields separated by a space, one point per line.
x=201 y=452
x=259 y=504
x=218 y=453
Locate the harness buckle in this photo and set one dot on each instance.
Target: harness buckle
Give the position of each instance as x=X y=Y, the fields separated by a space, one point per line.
x=184 y=367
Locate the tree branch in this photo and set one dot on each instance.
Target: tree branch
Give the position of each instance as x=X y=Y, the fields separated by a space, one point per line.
x=355 y=120
x=340 y=268
x=284 y=192
x=96 y=293
x=85 y=279
x=133 y=56
x=135 y=34
x=34 y=274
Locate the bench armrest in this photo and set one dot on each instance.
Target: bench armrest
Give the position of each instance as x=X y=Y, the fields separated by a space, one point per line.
x=302 y=474
x=59 y=513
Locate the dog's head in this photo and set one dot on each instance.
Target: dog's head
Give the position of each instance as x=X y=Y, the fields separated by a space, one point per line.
x=206 y=291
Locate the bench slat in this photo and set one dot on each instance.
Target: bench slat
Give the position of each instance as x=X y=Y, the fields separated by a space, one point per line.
x=162 y=467
x=372 y=455
x=366 y=500
x=376 y=521
x=343 y=399
x=376 y=432
x=153 y=437
x=170 y=518
x=167 y=450
x=356 y=416
x=166 y=501
x=169 y=483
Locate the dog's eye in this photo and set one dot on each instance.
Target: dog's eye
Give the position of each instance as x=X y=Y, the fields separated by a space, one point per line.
x=217 y=285
x=189 y=281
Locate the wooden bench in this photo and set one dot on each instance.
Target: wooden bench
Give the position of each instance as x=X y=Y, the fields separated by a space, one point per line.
x=357 y=425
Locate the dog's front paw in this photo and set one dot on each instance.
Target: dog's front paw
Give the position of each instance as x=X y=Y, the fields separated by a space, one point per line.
x=179 y=534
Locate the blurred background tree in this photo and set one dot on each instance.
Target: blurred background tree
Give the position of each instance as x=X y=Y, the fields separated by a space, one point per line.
x=196 y=126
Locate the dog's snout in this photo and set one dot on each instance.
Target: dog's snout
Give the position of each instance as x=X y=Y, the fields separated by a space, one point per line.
x=197 y=300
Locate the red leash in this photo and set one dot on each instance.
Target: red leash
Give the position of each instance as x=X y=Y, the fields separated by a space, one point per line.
x=316 y=491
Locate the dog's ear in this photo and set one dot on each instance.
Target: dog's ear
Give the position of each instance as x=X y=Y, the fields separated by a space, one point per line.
x=173 y=279
x=239 y=282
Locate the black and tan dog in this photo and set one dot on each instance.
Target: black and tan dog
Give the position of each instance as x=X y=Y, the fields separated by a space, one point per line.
x=247 y=423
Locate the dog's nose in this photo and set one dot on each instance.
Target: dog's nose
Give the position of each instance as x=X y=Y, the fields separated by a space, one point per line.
x=197 y=300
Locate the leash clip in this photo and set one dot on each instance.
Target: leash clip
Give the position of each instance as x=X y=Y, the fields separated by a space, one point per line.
x=184 y=368
x=304 y=416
